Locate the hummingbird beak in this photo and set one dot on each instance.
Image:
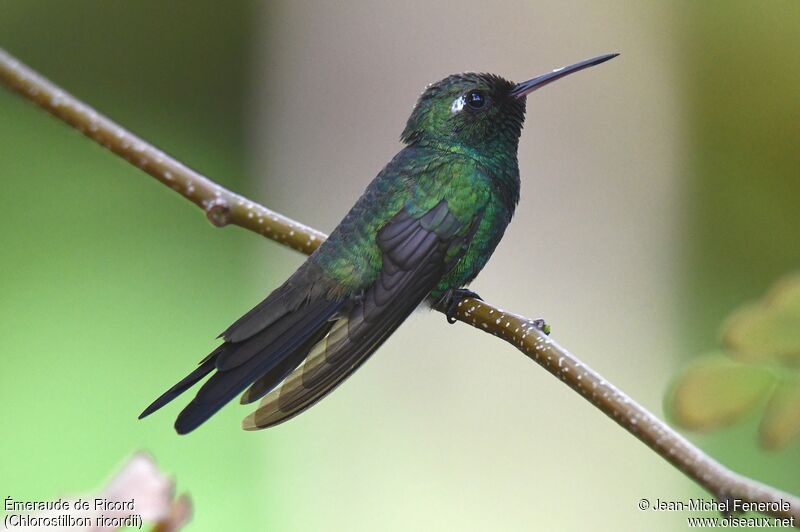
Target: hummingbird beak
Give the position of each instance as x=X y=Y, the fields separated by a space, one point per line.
x=527 y=87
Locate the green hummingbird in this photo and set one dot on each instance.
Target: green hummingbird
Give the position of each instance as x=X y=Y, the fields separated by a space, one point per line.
x=422 y=230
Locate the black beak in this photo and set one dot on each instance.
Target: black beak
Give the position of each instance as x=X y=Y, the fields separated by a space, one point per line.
x=527 y=87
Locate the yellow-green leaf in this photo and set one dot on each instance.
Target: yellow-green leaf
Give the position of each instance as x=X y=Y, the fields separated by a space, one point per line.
x=716 y=391
x=768 y=329
x=781 y=422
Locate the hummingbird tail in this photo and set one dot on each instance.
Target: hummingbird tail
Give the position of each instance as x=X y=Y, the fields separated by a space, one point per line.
x=267 y=355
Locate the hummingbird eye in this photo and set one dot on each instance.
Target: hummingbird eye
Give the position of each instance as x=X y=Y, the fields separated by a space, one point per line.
x=476 y=100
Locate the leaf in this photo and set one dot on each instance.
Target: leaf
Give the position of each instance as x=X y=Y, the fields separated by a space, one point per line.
x=781 y=422
x=716 y=391
x=768 y=329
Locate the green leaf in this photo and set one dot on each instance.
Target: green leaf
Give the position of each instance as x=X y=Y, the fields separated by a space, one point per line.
x=768 y=329
x=715 y=391
x=781 y=422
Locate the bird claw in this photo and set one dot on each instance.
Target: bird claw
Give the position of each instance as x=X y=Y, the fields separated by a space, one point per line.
x=452 y=300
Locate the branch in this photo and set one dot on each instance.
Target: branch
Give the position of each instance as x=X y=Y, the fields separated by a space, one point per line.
x=223 y=207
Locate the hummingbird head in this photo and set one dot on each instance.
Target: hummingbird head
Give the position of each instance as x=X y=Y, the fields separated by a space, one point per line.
x=479 y=111
x=467 y=109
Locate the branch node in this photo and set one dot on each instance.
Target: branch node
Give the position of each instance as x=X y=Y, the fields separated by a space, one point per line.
x=218 y=212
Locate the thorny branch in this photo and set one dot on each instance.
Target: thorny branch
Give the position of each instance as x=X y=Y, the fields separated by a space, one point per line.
x=223 y=207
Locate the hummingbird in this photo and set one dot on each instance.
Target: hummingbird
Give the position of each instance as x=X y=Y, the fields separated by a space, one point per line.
x=419 y=234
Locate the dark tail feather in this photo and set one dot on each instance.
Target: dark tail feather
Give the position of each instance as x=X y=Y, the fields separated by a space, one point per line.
x=270 y=354
x=204 y=368
x=303 y=324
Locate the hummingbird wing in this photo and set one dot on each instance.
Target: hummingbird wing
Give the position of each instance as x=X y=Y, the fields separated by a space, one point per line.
x=416 y=252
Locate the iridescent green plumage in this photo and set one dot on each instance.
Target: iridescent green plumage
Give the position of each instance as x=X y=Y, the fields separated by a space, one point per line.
x=422 y=230
x=468 y=158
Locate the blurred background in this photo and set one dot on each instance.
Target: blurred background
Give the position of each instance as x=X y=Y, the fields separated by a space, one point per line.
x=660 y=190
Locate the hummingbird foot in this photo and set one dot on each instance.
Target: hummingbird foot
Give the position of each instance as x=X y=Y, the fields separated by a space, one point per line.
x=452 y=299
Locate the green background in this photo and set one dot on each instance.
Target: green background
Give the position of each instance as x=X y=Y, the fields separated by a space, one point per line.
x=101 y=264
x=111 y=286
x=742 y=229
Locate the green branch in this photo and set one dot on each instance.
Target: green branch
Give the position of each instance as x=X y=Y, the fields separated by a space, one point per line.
x=223 y=207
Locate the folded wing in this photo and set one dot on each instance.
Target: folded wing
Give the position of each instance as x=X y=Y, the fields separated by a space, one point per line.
x=416 y=253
